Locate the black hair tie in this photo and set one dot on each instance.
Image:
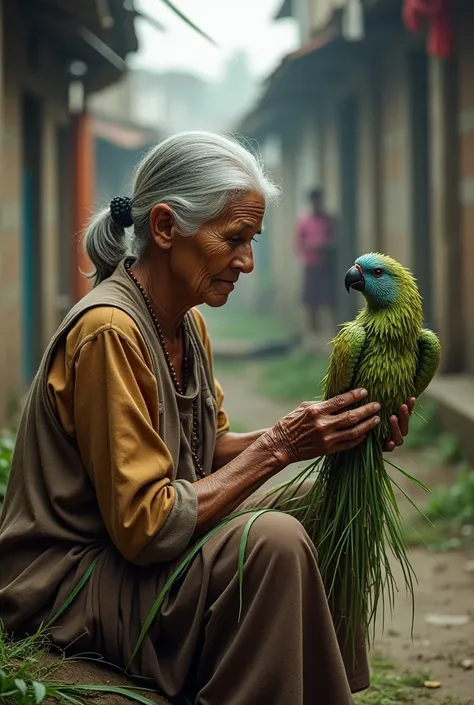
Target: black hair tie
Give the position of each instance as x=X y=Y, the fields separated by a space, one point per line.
x=121 y=211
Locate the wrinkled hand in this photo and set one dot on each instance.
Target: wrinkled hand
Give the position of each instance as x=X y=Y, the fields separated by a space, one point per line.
x=399 y=425
x=323 y=428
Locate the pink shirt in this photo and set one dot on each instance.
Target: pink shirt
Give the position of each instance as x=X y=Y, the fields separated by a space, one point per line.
x=313 y=235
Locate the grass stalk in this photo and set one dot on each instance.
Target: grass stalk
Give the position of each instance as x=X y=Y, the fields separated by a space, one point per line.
x=353 y=518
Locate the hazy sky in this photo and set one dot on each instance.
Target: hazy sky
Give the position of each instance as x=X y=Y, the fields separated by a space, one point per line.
x=234 y=24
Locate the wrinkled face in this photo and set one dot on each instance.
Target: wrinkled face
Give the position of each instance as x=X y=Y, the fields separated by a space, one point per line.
x=210 y=263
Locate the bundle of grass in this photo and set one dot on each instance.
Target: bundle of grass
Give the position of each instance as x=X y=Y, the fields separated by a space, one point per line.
x=351 y=512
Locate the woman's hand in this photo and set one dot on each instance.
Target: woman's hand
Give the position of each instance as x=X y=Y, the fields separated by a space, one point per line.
x=322 y=428
x=399 y=425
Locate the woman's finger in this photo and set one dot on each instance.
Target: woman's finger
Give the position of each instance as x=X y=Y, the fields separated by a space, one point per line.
x=411 y=405
x=342 y=401
x=354 y=433
x=389 y=447
x=350 y=418
x=347 y=445
x=404 y=419
x=396 y=434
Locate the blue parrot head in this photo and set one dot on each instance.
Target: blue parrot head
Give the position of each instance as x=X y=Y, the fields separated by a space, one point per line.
x=378 y=277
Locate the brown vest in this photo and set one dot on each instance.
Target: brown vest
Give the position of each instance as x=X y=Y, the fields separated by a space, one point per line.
x=51 y=521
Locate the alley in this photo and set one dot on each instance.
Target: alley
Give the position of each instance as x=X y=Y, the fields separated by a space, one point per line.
x=446 y=580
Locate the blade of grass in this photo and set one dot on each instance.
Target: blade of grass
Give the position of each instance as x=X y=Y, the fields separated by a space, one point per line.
x=127 y=692
x=20 y=686
x=182 y=567
x=65 y=697
x=39 y=691
x=413 y=504
x=407 y=474
x=164 y=592
x=73 y=594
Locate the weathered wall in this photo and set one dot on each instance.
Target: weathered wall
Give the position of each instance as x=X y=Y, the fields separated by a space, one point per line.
x=28 y=67
x=395 y=221
x=465 y=82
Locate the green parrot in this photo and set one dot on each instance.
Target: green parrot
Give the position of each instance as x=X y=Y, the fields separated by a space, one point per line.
x=351 y=512
x=385 y=349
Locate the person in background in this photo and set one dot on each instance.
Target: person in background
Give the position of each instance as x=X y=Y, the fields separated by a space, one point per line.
x=315 y=248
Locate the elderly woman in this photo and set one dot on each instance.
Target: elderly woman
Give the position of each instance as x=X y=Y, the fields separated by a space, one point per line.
x=124 y=458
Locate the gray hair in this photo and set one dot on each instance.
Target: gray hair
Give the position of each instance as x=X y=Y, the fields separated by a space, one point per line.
x=195 y=174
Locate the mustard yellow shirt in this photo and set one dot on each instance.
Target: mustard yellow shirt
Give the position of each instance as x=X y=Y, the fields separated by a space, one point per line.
x=102 y=385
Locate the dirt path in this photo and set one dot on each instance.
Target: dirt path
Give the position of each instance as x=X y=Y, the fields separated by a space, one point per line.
x=445 y=585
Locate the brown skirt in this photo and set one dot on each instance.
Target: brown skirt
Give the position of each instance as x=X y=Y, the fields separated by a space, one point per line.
x=282 y=650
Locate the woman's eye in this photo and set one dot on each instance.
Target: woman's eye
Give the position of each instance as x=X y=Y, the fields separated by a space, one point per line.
x=240 y=239
x=378 y=273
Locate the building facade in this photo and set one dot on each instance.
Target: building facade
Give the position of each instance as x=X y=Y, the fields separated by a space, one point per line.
x=377 y=107
x=52 y=55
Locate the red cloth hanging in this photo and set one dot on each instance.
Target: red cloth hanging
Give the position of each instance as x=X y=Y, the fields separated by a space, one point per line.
x=438 y=14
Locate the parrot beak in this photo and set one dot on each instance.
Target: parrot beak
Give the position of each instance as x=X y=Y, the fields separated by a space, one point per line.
x=354 y=279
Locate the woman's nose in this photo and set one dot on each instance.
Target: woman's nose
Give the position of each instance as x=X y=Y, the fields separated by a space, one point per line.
x=243 y=262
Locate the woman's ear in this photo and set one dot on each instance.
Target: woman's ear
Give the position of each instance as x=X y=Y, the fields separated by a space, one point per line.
x=162 y=225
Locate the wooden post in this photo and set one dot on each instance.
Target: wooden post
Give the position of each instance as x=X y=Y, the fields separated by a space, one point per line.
x=82 y=199
x=446 y=240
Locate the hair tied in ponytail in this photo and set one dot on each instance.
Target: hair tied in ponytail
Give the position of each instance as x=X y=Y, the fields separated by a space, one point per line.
x=121 y=211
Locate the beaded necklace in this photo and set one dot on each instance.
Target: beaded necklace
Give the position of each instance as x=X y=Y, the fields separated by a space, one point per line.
x=180 y=389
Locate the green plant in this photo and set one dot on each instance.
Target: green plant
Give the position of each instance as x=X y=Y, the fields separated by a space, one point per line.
x=388 y=687
x=29 y=677
x=448 y=515
x=393 y=688
x=6 y=451
x=446 y=450
x=454 y=503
